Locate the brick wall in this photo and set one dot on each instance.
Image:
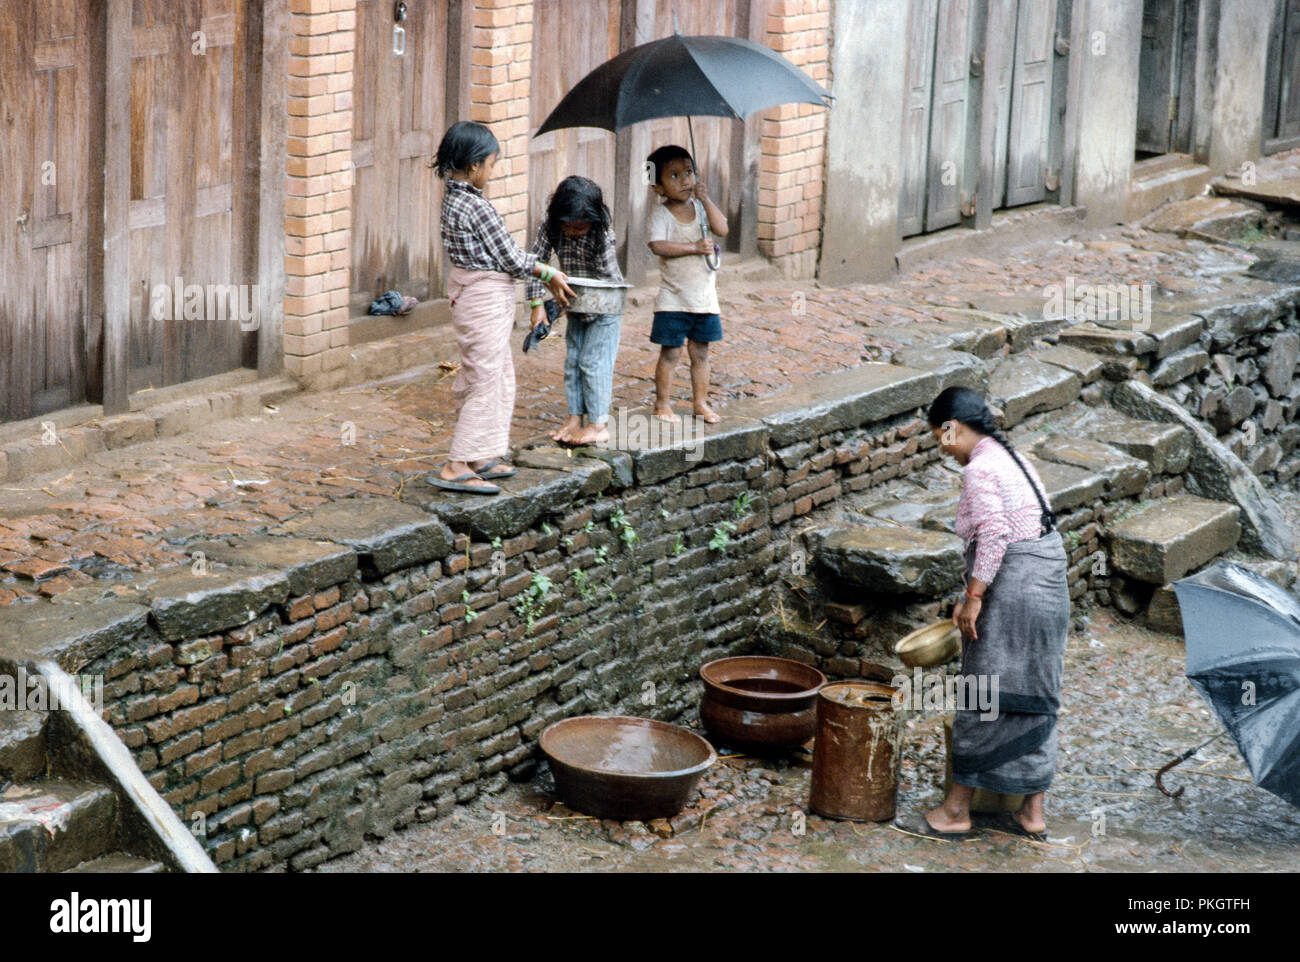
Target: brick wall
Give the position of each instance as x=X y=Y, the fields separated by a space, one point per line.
x=318 y=215
x=501 y=54
x=793 y=145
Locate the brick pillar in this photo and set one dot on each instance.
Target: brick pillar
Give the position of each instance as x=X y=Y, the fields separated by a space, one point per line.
x=500 y=70
x=318 y=214
x=793 y=147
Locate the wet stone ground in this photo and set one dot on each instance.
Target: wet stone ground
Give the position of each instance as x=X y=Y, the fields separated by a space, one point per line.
x=1126 y=710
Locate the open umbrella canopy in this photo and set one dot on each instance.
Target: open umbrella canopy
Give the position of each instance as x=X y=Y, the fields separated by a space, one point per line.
x=679 y=76
x=1243 y=655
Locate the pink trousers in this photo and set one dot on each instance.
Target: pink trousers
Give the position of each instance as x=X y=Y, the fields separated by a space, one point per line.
x=482 y=316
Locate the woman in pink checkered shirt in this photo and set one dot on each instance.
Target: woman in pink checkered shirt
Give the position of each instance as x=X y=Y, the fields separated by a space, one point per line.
x=1014 y=617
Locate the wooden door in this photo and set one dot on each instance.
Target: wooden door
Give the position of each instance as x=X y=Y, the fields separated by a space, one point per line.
x=938 y=178
x=565 y=57
x=399 y=114
x=1156 y=72
x=44 y=175
x=916 y=114
x=1282 y=79
x=193 y=193
x=949 y=188
x=1031 y=103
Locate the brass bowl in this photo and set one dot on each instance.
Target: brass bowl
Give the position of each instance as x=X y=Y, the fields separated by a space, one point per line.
x=935 y=644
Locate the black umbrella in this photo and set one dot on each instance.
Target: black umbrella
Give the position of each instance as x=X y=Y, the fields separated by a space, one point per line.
x=680 y=76
x=1243 y=655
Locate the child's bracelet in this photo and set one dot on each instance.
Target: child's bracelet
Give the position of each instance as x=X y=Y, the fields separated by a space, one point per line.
x=536 y=303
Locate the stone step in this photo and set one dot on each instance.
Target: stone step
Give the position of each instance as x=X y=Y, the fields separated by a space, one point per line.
x=1085 y=364
x=22 y=744
x=52 y=825
x=1125 y=475
x=1157 y=181
x=1205 y=216
x=1165 y=448
x=890 y=558
x=119 y=863
x=1163 y=613
x=1162 y=542
x=1022 y=386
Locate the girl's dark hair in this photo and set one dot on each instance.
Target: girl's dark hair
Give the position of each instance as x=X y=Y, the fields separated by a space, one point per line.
x=464 y=145
x=666 y=153
x=965 y=406
x=577 y=199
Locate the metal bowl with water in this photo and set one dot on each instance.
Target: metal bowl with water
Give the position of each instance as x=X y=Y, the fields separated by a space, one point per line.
x=595 y=296
x=617 y=766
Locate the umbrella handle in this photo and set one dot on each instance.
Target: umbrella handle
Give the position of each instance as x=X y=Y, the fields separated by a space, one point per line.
x=704 y=219
x=1178 y=761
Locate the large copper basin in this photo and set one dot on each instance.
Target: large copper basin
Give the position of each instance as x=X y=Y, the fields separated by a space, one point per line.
x=758 y=701
x=626 y=768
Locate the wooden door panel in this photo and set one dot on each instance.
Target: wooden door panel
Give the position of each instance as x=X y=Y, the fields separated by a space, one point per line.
x=1155 y=74
x=569 y=56
x=949 y=115
x=1288 y=124
x=188 y=207
x=398 y=117
x=44 y=97
x=1031 y=103
x=916 y=114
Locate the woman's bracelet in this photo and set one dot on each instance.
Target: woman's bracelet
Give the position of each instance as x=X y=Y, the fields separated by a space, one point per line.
x=548 y=274
x=971 y=594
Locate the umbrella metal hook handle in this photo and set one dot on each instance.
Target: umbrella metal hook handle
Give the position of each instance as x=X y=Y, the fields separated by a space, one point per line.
x=704 y=217
x=1178 y=761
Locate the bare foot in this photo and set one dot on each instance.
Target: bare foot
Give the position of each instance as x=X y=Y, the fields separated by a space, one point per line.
x=706 y=413
x=665 y=412
x=566 y=430
x=940 y=820
x=592 y=434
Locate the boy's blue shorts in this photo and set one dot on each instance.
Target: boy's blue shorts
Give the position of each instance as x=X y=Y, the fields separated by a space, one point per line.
x=672 y=328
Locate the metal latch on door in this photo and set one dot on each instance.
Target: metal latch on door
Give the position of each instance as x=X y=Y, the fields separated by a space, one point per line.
x=399 y=32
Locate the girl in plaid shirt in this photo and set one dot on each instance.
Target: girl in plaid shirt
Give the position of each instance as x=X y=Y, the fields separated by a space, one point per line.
x=577 y=228
x=480 y=287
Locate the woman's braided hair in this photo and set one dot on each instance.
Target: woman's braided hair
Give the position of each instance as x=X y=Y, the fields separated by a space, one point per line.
x=967 y=407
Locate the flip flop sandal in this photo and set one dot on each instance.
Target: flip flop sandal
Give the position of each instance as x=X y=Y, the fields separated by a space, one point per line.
x=458 y=484
x=487 y=474
x=919 y=826
x=1006 y=822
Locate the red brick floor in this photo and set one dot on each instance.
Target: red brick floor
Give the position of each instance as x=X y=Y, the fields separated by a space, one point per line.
x=135 y=508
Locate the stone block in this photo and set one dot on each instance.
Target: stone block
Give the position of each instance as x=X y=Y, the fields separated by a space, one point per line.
x=841 y=401
x=1170 y=538
x=1022 y=386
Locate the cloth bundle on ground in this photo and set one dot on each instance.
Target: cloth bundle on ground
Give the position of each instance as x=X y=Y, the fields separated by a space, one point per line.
x=392 y=302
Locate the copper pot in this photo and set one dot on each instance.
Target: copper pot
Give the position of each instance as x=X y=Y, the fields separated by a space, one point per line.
x=757 y=701
x=617 y=766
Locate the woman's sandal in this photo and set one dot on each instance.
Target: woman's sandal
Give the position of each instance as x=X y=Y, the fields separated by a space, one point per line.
x=1006 y=822
x=921 y=826
x=458 y=484
x=487 y=474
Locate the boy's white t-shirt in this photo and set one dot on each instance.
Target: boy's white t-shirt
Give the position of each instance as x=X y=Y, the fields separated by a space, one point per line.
x=686 y=283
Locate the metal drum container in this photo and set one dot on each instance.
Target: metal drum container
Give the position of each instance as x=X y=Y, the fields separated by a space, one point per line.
x=856 y=755
x=595 y=296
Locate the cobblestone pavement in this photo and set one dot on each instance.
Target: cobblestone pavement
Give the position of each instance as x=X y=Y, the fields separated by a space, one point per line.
x=135 y=508
x=1127 y=709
